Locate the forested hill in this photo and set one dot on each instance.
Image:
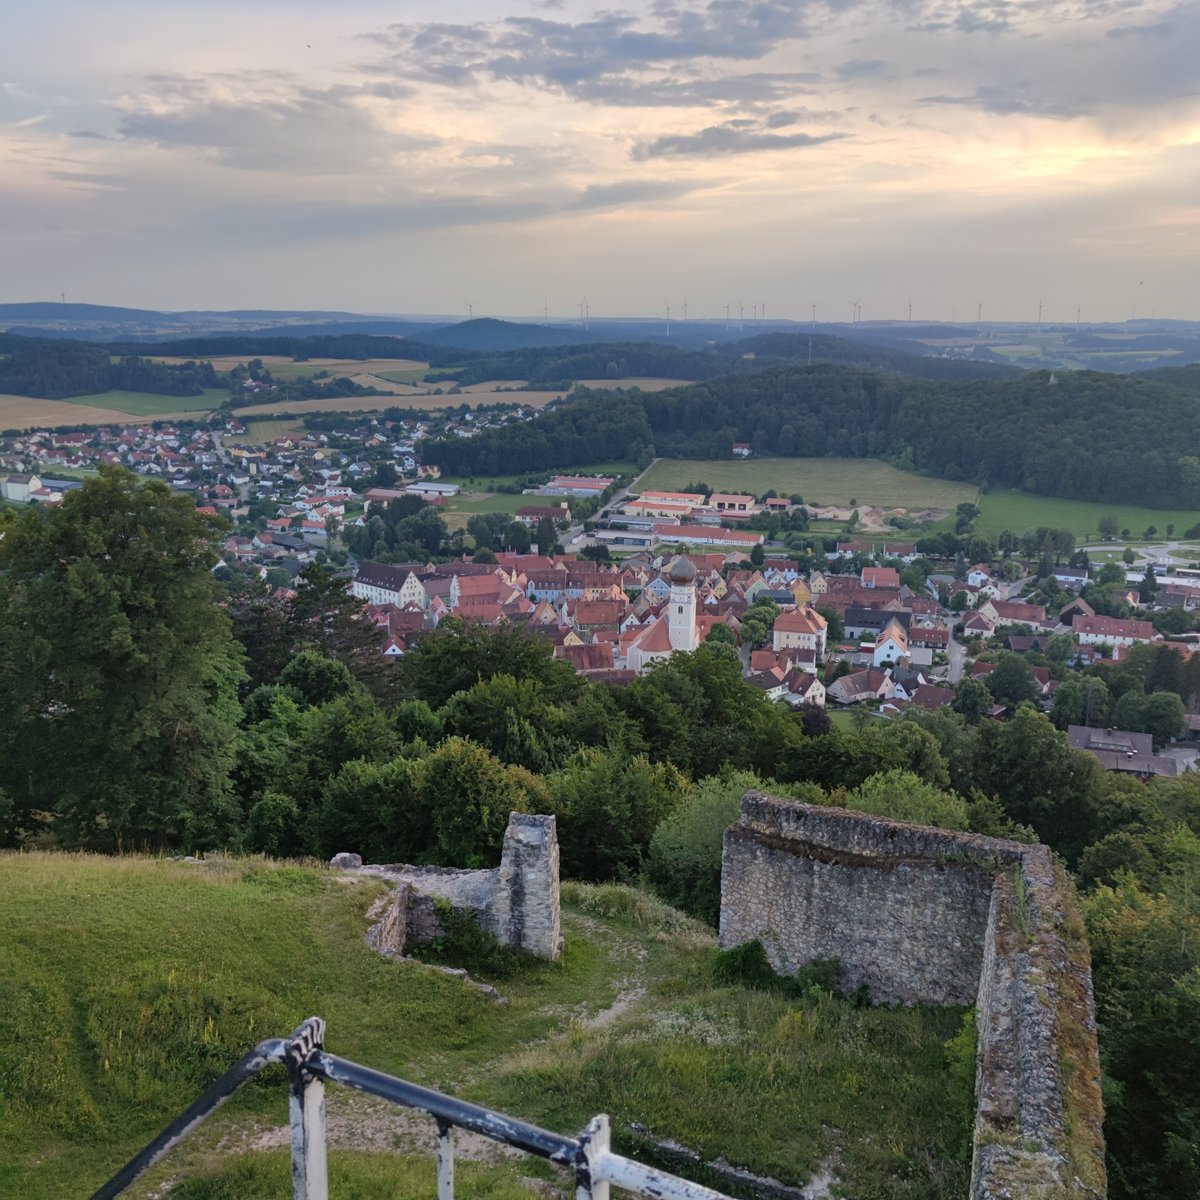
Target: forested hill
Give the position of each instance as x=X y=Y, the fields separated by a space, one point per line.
x=1087 y=436
x=551 y=366
x=56 y=370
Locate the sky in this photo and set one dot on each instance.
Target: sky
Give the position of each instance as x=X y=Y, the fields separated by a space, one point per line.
x=426 y=155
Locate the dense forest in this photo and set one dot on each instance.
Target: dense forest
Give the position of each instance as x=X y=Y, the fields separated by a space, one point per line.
x=55 y=370
x=1083 y=435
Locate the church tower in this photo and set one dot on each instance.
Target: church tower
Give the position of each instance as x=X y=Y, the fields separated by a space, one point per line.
x=681 y=619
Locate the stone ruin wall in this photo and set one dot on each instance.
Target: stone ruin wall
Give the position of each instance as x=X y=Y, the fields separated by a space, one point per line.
x=923 y=915
x=517 y=902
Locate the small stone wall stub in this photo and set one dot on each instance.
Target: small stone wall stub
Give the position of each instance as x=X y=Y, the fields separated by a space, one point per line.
x=924 y=915
x=517 y=902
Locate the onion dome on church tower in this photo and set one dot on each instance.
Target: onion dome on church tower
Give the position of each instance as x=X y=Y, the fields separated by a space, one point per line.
x=682 y=572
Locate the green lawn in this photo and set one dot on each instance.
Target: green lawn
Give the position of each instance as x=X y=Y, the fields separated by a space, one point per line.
x=1002 y=509
x=864 y=481
x=128 y=984
x=145 y=404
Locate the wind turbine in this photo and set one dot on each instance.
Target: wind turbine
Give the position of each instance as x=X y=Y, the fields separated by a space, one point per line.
x=741 y=317
x=1078 y=311
x=668 y=304
x=685 y=310
x=726 y=316
x=979 y=317
x=545 y=312
x=853 y=310
x=470 y=311
x=1039 y=315
x=587 y=314
x=763 y=305
x=910 y=312
x=814 y=316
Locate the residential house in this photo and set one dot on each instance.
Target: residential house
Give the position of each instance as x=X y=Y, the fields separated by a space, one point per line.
x=1113 y=631
x=861 y=686
x=801 y=629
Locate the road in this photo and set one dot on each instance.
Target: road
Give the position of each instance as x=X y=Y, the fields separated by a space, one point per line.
x=958 y=660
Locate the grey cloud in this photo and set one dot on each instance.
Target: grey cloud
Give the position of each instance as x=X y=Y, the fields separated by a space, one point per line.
x=300 y=130
x=1002 y=103
x=596 y=59
x=1157 y=29
x=633 y=191
x=732 y=137
x=861 y=68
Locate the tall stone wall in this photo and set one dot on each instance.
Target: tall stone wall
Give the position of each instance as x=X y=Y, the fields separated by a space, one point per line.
x=922 y=915
x=517 y=902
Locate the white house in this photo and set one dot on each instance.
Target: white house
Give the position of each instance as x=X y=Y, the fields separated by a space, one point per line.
x=18 y=488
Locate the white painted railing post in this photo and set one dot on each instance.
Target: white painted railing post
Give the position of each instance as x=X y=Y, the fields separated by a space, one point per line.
x=445 y=1166
x=594 y=1143
x=306 y=1105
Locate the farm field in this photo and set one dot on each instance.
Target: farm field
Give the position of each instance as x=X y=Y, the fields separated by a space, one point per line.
x=1002 y=509
x=646 y=383
x=259 y=433
x=819 y=480
x=27 y=412
x=171 y=973
x=403 y=398
x=284 y=367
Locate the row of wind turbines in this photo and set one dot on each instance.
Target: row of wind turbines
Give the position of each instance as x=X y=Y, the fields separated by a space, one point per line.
x=759 y=313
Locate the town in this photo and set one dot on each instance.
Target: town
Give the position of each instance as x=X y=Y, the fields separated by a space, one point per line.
x=865 y=626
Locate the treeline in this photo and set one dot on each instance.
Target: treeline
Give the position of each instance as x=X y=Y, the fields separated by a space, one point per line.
x=57 y=370
x=253 y=345
x=1085 y=436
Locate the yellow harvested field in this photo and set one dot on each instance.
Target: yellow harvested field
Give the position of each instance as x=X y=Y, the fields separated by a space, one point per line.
x=393 y=389
x=494 y=385
x=26 y=412
x=647 y=383
x=406 y=399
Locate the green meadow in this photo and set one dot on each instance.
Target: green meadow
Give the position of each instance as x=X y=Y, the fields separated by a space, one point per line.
x=129 y=984
x=1002 y=508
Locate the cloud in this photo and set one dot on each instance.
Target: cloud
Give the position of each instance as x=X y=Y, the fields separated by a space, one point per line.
x=861 y=68
x=1002 y=103
x=732 y=137
x=272 y=124
x=594 y=59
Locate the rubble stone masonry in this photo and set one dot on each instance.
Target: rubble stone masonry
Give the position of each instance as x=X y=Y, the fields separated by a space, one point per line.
x=928 y=916
x=517 y=902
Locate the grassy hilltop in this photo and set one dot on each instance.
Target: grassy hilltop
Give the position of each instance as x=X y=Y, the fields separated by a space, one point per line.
x=128 y=984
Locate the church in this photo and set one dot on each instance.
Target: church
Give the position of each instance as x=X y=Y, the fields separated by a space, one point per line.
x=677 y=627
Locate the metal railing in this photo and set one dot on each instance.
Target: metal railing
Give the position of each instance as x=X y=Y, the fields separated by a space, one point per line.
x=589 y=1155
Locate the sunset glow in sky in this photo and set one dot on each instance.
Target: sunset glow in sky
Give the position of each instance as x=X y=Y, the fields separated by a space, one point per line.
x=412 y=156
